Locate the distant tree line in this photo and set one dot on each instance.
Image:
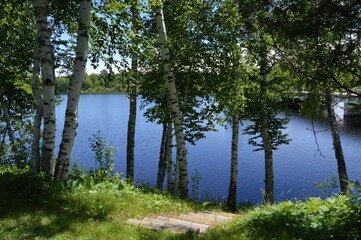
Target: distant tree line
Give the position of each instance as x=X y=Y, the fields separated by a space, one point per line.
x=94 y=83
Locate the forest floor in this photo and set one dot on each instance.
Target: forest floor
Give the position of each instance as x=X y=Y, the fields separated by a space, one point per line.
x=35 y=207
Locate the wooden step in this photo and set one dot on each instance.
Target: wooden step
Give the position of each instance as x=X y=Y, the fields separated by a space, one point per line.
x=198 y=227
x=176 y=228
x=198 y=222
x=224 y=214
x=201 y=218
x=208 y=219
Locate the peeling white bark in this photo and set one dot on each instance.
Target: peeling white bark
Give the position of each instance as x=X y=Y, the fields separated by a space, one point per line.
x=48 y=81
x=36 y=161
x=71 y=114
x=173 y=104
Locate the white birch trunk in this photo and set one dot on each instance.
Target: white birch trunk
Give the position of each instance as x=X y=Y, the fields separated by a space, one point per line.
x=71 y=114
x=35 y=149
x=174 y=104
x=48 y=81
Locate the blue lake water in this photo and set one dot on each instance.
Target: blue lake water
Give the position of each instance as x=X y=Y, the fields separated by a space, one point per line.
x=297 y=166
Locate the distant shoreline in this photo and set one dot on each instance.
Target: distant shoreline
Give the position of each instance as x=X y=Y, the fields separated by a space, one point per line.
x=94 y=93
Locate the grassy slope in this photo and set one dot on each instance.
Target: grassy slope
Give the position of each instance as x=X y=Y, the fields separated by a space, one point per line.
x=33 y=207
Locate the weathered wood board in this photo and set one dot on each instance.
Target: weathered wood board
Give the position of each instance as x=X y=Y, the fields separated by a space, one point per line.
x=198 y=222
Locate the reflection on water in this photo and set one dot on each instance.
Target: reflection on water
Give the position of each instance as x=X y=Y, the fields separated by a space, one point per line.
x=297 y=165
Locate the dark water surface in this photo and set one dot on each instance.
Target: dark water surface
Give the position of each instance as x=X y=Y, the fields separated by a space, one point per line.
x=297 y=166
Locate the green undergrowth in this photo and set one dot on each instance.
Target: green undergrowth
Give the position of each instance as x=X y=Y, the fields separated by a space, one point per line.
x=35 y=207
x=337 y=217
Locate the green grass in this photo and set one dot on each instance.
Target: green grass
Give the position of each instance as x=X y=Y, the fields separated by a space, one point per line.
x=34 y=207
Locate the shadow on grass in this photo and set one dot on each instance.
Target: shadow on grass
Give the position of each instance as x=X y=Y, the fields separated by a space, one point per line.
x=33 y=206
x=34 y=224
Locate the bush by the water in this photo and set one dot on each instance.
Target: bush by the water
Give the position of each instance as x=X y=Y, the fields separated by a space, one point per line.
x=333 y=218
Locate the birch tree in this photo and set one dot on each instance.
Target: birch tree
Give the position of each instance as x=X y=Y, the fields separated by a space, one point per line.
x=132 y=120
x=71 y=114
x=264 y=94
x=341 y=164
x=232 y=192
x=230 y=69
x=48 y=82
x=184 y=28
x=173 y=102
x=35 y=148
x=265 y=130
x=264 y=106
x=133 y=92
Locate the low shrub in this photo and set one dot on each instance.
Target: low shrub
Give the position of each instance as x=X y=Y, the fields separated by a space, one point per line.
x=336 y=217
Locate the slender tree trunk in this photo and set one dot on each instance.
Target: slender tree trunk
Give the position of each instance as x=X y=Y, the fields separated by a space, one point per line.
x=162 y=165
x=269 y=178
x=176 y=185
x=341 y=164
x=3 y=143
x=168 y=154
x=265 y=131
x=48 y=79
x=35 y=148
x=132 y=96
x=11 y=134
x=71 y=114
x=174 y=105
x=131 y=121
x=267 y=147
x=232 y=192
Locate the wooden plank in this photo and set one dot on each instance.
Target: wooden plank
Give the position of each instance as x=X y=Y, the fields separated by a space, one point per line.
x=207 y=219
x=216 y=216
x=176 y=228
x=201 y=218
x=225 y=214
x=188 y=218
x=176 y=219
x=197 y=222
x=192 y=225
